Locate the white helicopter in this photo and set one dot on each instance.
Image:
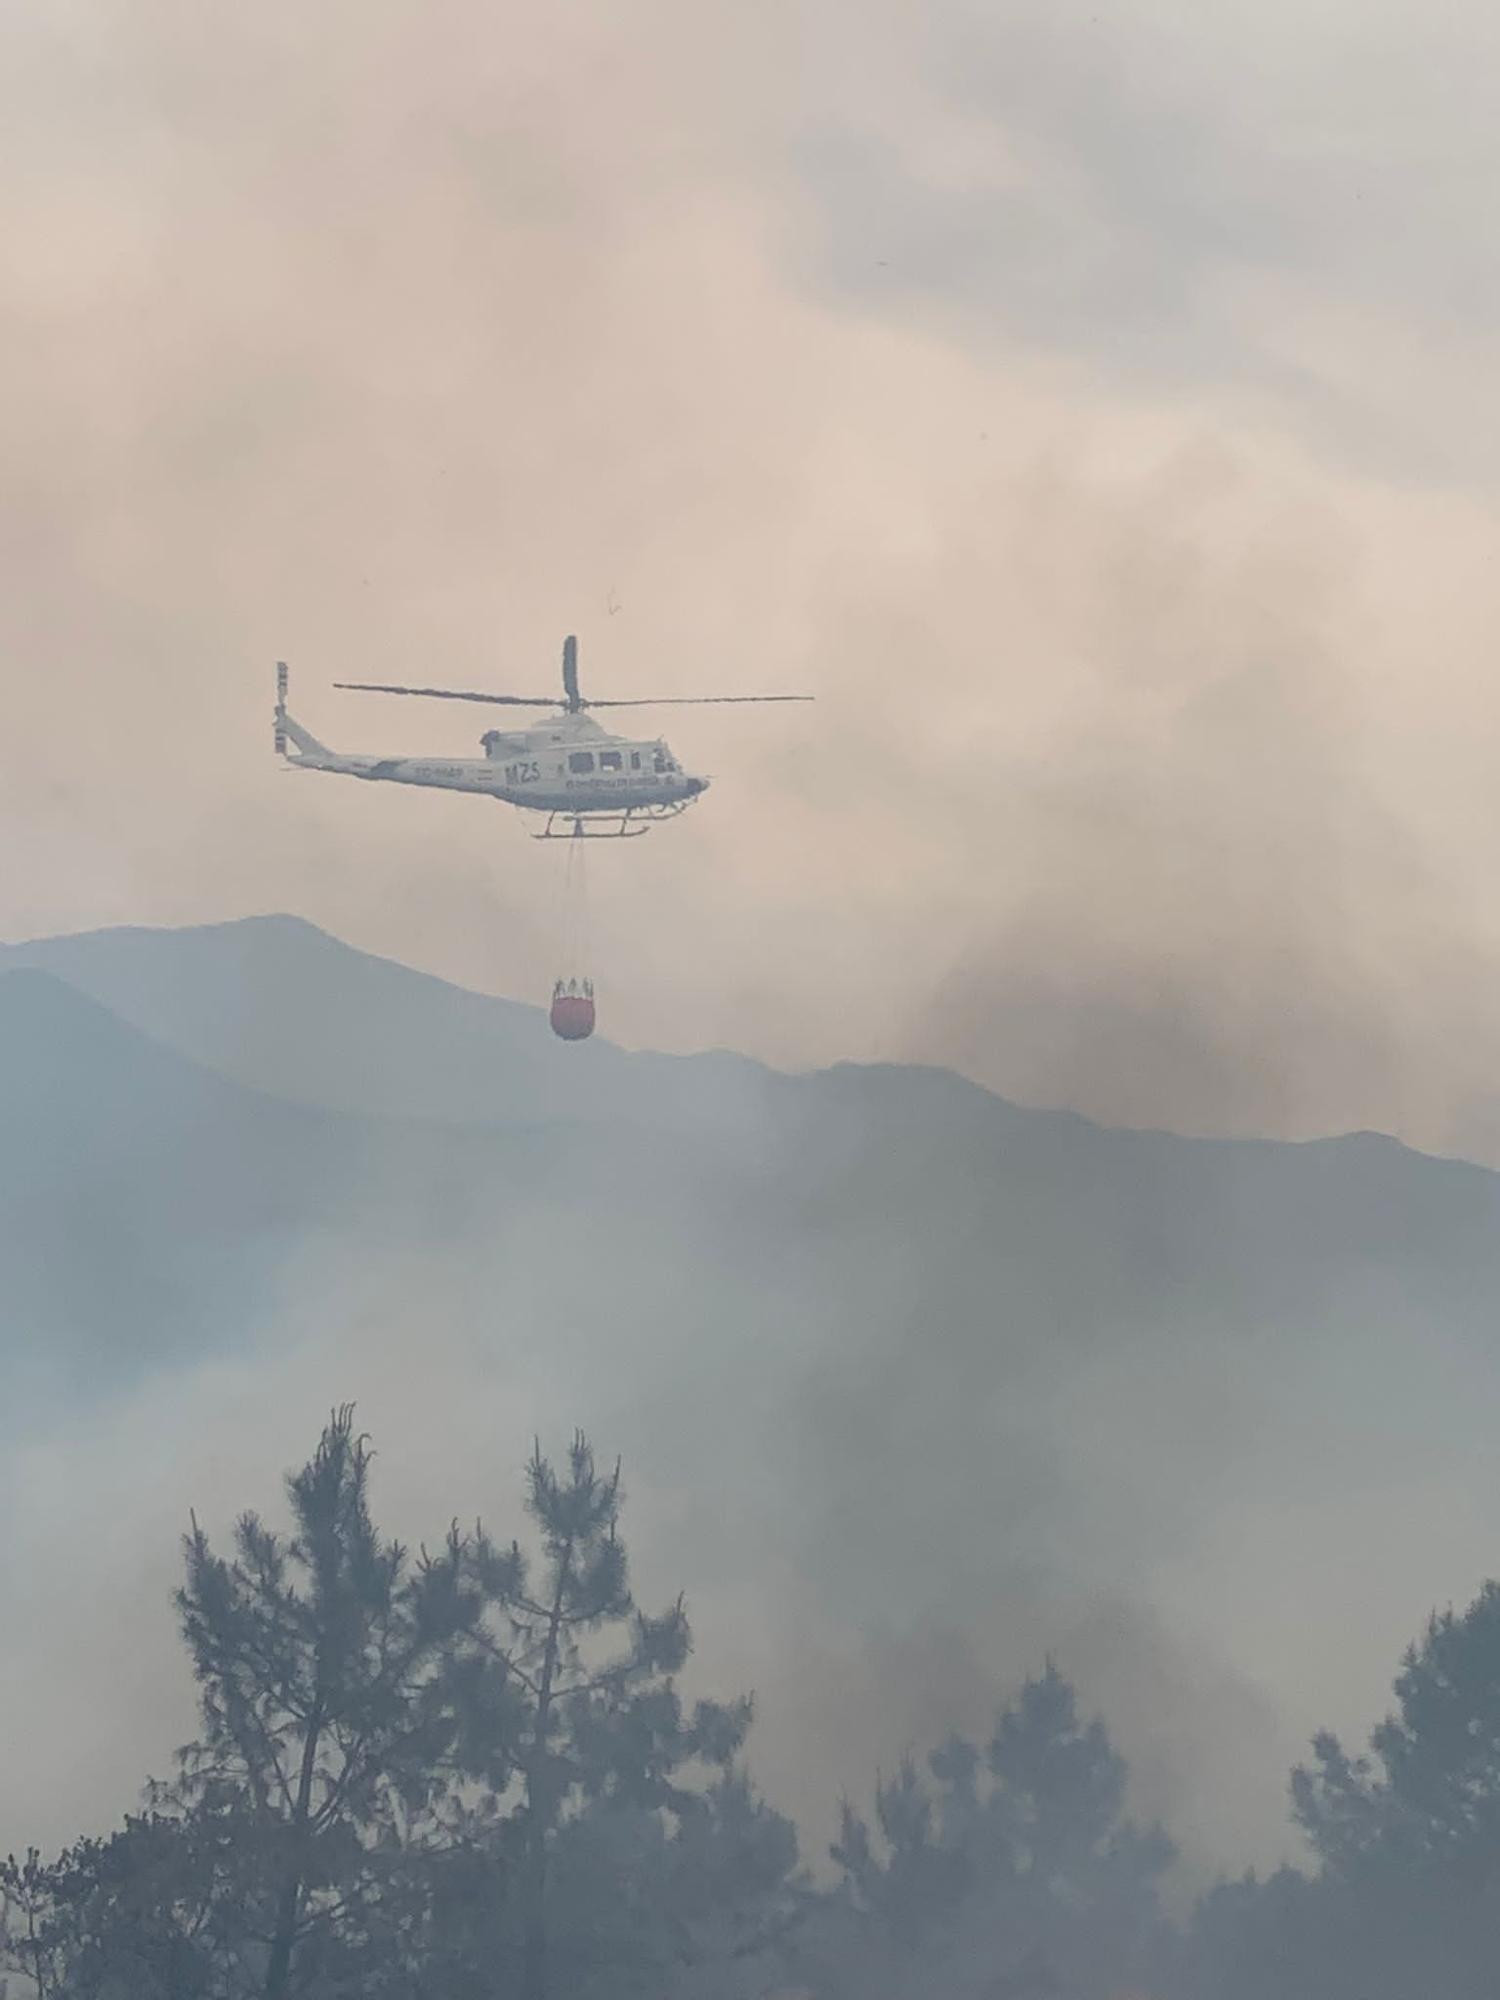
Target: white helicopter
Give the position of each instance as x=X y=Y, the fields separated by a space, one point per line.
x=589 y=783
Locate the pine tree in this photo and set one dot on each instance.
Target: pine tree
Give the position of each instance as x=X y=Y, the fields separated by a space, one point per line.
x=1408 y=1835
x=569 y=1716
x=140 y=1915
x=1429 y=1792
x=1013 y=1869
x=448 y=1778
x=317 y=1659
x=35 y=1932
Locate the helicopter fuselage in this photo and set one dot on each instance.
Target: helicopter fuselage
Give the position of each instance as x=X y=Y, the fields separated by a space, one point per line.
x=569 y=766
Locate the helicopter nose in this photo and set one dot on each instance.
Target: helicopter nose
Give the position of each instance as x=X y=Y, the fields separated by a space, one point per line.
x=695 y=786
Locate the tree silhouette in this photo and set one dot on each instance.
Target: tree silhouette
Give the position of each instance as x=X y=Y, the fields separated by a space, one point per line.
x=1010 y=1868
x=146 y=1914
x=317 y=1660
x=569 y=1717
x=1429 y=1792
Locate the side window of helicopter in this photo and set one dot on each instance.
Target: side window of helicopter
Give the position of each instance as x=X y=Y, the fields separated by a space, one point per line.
x=609 y=760
x=635 y=760
x=581 y=760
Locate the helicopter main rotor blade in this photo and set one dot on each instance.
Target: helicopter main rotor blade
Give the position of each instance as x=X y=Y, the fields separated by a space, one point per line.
x=694 y=700
x=573 y=704
x=453 y=694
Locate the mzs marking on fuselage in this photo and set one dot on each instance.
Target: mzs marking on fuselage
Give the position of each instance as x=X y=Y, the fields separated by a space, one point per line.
x=580 y=767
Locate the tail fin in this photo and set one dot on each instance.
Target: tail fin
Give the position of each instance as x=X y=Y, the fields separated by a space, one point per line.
x=287 y=728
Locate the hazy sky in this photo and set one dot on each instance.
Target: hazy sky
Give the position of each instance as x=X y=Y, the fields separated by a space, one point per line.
x=1089 y=403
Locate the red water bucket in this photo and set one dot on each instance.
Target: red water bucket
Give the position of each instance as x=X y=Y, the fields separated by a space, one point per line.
x=572 y=1014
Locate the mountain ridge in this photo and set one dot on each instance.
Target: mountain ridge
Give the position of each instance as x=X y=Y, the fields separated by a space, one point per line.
x=133 y=971
x=886 y=1167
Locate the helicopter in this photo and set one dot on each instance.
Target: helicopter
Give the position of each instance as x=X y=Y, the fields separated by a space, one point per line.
x=588 y=782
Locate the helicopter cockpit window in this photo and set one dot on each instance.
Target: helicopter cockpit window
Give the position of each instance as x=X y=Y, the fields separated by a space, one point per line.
x=635 y=760
x=663 y=762
x=610 y=760
x=581 y=760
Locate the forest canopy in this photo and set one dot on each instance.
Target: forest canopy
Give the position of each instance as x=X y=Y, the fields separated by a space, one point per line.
x=471 y=1771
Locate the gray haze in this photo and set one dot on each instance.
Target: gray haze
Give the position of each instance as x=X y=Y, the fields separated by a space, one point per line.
x=1092 y=407
x=912 y=1386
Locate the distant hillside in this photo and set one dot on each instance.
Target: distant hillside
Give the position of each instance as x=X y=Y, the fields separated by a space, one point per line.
x=897 y=1183
x=278 y=1004
x=149 y=1207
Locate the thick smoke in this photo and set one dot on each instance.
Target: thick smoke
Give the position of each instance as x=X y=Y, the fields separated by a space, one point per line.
x=1151 y=772
x=1150 y=722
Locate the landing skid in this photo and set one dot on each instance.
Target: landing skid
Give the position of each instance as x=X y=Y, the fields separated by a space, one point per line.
x=628 y=824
